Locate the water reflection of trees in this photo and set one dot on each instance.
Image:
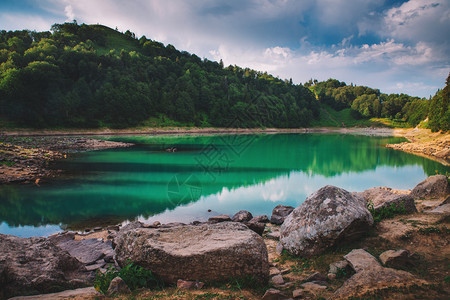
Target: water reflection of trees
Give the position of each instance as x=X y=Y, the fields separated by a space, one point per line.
x=108 y=198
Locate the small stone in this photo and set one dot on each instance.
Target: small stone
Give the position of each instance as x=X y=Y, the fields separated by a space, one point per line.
x=274 y=235
x=274 y=271
x=220 y=218
x=97 y=229
x=156 y=224
x=260 y=219
x=242 y=216
x=313 y=288
x=317 y=276
x=331 y=276
x=279 y=249
x=395 y=259
x=339 y=265
x=118 y=286
x=189 y=285
x=274 y=294
x=95 y=267
x=256 y=227
x=277 y=280
x=279 y=213
x=297 y=293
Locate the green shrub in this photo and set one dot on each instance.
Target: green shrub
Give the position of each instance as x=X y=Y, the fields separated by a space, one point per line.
x=133 y=275
x=386 y=212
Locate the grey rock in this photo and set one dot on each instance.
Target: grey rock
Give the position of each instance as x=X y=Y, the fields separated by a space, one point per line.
x=256 y=227
x=95 y=266
x=443 y=209
x=360 y=259
x=277 y=280
x=313 y=288
x=298 y=294
x=383 y=197
x=274 y=294
x=189 y=285
x=274 y=271
x=339 y=265
x=317 y=276
x=206 y=252
x=87 y=251
x=279 y=249
x=279 y=214
x=61 y=237
x=328 y=217
x=218 y=219
x=81 y=293
x=434 y=187
x=260 y=219
x=37 y=266
x=370 y=276
x=118 y=286
x=242 y=216
x=396 y=259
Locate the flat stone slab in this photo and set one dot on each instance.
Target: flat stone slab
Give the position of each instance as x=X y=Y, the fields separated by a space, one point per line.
x=87 y=251
x=360 y=259
x=441 y=210
x=89 y=292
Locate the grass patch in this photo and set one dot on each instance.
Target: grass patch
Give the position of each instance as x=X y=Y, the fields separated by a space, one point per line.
x=432 y=229
x=343 y=118
x=133 y=275
x=385 y=212
x=7 y=163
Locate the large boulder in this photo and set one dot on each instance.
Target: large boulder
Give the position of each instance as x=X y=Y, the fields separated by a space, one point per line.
x=279 y=214
x=36 y=266
x=434 y=187
x=326 y=218
x=383 y=197
x=207 y=252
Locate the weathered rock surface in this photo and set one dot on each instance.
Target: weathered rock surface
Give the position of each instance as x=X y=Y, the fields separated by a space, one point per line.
x=189 y=285
x=118 y=286
x=371 y=276
x=277 y=280
x=317 y=276
x=81 y=293
x=313 y=288
x=326 y=218
x=88 y=251
x=279 y=214
x=260 y=219
x=218 y=219
x=242 y=216
x=256 y=227
x=274 y=294
x=36 y=266
x=339 y=265
x=207 y=252
x=383 y=197
x=434 y=187
x=396 y=259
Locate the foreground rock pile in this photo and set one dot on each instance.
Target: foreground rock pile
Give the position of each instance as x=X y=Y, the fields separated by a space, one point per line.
x=224 y=247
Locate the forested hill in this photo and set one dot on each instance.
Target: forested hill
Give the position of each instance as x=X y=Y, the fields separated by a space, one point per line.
x=91 y=75
x=94 y=76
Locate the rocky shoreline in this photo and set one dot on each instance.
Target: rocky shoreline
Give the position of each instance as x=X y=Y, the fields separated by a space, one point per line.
x=399 y=257
x=27 y=159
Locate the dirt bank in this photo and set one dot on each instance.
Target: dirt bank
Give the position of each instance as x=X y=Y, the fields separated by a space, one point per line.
x=434 y=145
x=26 y=159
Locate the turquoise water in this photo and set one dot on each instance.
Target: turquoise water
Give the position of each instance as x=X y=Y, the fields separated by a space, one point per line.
x=222 y=173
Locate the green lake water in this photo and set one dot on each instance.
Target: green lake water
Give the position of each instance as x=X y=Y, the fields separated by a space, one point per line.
x=221 y=173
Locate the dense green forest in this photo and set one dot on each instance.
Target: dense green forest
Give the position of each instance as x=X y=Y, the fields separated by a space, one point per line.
x=93 y=76
x=365 y=102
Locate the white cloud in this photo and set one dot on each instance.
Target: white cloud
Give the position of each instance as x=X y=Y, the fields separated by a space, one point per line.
x=69 y=13
x=18 y=21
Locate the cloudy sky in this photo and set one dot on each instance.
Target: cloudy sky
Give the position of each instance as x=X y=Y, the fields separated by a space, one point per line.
x=396 y=46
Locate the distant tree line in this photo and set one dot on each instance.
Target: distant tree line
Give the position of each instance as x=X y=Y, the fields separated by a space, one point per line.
x=366 y=102
x=91 y=76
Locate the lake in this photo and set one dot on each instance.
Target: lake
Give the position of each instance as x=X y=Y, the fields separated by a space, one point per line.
x=204 y=176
